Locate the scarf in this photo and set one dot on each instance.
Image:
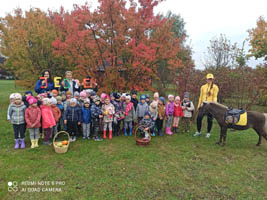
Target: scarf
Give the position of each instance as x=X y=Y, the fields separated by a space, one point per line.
x=128 y=108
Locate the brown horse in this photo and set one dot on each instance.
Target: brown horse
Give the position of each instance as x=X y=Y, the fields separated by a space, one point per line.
x=255 y=120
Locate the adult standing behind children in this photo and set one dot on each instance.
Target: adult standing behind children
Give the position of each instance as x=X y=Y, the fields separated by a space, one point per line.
x=70 y=84
x=208 y=92
x=45 y=84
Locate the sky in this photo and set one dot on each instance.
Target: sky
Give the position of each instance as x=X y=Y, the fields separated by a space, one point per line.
x=205 y=19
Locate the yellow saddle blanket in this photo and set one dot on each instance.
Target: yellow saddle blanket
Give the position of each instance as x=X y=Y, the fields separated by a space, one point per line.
x=243 y=119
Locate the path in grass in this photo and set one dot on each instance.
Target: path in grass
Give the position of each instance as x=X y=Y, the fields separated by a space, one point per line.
x=172 y=167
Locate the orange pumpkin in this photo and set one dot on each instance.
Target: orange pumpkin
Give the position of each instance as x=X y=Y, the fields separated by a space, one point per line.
x=65 y=142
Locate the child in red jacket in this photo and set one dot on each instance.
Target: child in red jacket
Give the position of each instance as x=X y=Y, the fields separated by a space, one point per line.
x=48 y=120
x=56 y=113
x=33 y=117
x=178 y=113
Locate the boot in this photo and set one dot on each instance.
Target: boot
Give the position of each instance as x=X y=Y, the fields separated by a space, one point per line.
x=110 y=135
x=16 y=144
x=36 y=143
x=170 y=132
x=130 y=132
x=33 y=144
x=22 y=144
x=125 y=132
x=104 y=135
x=160 y=133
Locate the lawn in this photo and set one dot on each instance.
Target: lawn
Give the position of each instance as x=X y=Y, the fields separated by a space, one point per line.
x=171 y=167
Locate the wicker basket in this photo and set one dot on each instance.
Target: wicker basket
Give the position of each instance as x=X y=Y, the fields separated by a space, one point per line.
x=64 y=148
x=141 y=141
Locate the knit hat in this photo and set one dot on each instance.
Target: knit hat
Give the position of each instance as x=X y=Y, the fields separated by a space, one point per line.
x=170 y=96
x=46 y=101
x=147 y=96
x=83 y=94
x=73 y=100
x=116 y=95
x=68 y=93
x=133 y=92
x=92 y=93
x=148 y=113
x=59 y=98
x=28 y=92
x=12 y=96
x=31 y=100
x=162 y=99
x=186 y=95
x=124 y=94
x=156 y=94
x=106 y=97
x=142 y=97
x=17 y=96
x=128 y=97
x=53 y=100
x=54 y=91
x=88 y=91
x=103 y=96
x=177 y=98
x=76 y=94
x=86 y=101
x=96 y=99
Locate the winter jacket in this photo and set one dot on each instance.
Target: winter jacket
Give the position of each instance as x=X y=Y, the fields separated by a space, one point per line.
x=95 y=111
x=61 y=107
x=178 y=111
x=116 y=105
x=108 y=111
x=48 y=119
x=153 y=112
x=73 y=114
x=135 y=102
x=161 y=111
x=33 y=116
x=188 y=108
x=169 y=108
x=56 y=112
x=141 y=109
x=17 y=113
x=86 y=115
x=204 y=93
x=25 y=101
x=8 y=116
x=146 y=123
x=131 y=114
x=39 y=90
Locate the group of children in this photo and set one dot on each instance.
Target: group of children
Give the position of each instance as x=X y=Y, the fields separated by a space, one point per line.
x=85 y=113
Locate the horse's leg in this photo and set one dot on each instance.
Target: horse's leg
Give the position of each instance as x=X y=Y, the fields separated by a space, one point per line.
x=259 y=131
x=223 y=129
x=224 y=137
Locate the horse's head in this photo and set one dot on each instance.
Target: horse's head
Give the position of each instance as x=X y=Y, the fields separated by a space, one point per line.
x=204 y=109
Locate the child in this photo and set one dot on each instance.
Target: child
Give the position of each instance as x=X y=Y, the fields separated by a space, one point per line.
x=11 y=101
x=142 y=107
x=48 y=120
x=147 y=125
x=17 y=113
x=178 y=113
x=108 y=111
x=156 y=98
x=82 y=98
x=134 y=99
x=96 y=114
x=33 y=119
x=24 y=98
x=56 y=113
x=72 y=117
x=77 y=97
x=169 y=108
x=116 y=118
x=54 y=93
x=61 y=108
x=148 y=99
x=188 y=108
x=130 y=115
x=86 y=119
x=70 y=84
x=161 y=115
x=153 y=109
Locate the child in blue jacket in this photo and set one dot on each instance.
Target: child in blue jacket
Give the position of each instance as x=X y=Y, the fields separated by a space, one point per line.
x=86 y=119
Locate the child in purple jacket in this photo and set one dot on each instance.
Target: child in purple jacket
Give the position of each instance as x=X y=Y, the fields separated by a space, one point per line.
x=169 y=113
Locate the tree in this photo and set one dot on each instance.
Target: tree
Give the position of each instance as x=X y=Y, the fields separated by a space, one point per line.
x=118 y=45
x=26 y=41
x=221 y=53
x=258 y=39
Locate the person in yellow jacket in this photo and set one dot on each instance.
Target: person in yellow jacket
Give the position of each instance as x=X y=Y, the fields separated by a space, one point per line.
x=208 y=92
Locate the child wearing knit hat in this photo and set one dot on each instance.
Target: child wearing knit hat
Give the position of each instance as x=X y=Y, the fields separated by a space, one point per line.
x=178 y=114
x=33 y=120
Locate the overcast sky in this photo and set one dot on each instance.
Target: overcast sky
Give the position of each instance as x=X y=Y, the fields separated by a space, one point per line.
x=204 y=19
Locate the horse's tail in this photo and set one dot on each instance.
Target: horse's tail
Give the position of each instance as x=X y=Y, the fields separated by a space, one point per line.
x=265 y=126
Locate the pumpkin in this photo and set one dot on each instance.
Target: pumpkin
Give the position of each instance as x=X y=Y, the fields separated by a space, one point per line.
x=65 y=142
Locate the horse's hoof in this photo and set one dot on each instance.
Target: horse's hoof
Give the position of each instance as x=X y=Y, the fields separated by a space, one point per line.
x=219 y=143
x=258 y=144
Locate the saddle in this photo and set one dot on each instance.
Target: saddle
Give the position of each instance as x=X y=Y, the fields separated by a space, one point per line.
x=235 y=117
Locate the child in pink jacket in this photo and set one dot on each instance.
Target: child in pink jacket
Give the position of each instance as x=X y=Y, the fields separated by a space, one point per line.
x=33 y=117
x=48 y=120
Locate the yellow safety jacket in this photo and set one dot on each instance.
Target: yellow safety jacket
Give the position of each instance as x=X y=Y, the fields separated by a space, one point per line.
x=204 y=90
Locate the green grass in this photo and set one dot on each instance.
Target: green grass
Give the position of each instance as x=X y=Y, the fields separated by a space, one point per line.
x=171 y=167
